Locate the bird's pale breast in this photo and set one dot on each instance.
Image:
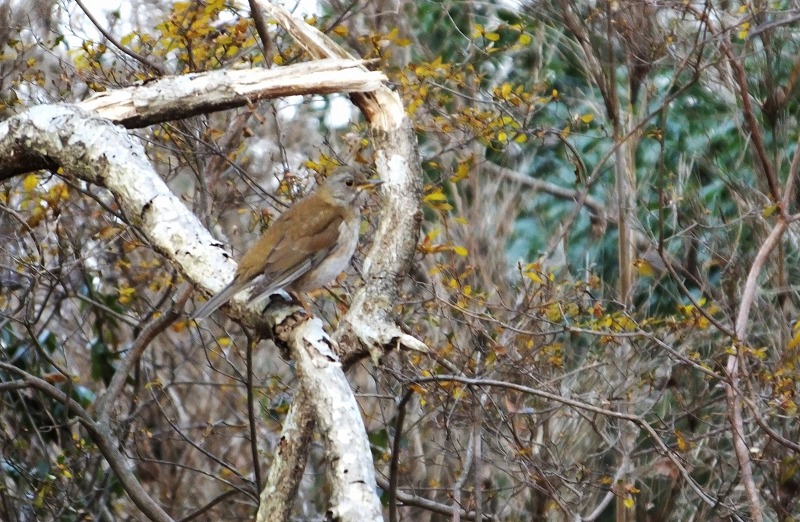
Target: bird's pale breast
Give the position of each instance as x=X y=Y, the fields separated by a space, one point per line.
x=336 y=262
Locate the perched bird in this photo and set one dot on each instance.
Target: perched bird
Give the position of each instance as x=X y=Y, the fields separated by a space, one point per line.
x=305 y=248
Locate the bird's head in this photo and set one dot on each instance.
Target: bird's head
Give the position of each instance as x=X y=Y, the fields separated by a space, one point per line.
x=344 y=188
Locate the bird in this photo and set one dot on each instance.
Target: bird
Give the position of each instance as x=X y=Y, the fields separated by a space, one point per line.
x=306 y=247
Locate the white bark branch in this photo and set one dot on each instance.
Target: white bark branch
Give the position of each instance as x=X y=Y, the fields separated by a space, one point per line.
x=277 y=497
x=351 y=471
x=95 y=150
x=177 y=97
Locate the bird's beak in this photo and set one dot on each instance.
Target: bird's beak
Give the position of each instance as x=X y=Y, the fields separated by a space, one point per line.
x=370 y=184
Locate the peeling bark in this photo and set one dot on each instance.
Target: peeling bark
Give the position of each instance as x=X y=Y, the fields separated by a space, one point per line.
x=178 y=97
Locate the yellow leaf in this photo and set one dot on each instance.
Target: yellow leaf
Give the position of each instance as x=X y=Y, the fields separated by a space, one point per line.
x=413 y=106
x=769 y=210
x=435 y=196
x=681 y=442
x=460 y=251
x=224 y=341
x=31 y=180
x=644 y=268
x=533 y=276
x=553 y=313
x=586 y=118
x=744 y=31
x=629 y=502
x=524 y=39
x=126 y=294
x=433 y=234
x=492 y=37
x=462 y=171
x=505 y=90
x=341 y=30
x=521 y=138
x=502 y=137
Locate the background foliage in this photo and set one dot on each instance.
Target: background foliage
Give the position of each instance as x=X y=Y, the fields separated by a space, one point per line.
x=600 y=179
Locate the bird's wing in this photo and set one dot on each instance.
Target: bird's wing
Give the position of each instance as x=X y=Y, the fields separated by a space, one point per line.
x=296 y=249
x=268 y=284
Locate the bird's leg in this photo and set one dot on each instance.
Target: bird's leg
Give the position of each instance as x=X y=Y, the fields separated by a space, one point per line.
x=298 y=299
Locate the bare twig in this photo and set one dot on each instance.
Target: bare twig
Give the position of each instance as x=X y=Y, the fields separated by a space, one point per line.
x=263 y=32
x=597 y=208
x=106 y=402
x=732 y=392
x=430 y=505
x=204 y=509
x=251 y=411
x=107 y=444
x=394 y=464
x=458 y=485
x=108 y=36
x=740 y=77
x=673 y=456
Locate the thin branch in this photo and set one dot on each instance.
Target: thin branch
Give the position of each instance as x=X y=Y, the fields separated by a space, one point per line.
x=251 y=413
x=107 y=444
x=772 y=25
x=732 y=393
x=204 y=509
x=458 y=485
x=430 y=505
x=394 y=464
x=107 y=401
x=740 y=78
x=261 y=28
x=635 y=419
x=598 y=208
x=751 y=285
x=13 y=385
x=206 y=453
x=108 y=36
x=477 y=455
x=791 y=180
x=686 y=293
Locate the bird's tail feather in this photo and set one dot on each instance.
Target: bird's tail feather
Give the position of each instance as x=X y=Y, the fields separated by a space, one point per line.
x=218 y=300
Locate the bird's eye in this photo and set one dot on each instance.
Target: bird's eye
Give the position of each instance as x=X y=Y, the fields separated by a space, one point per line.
x=349 y=182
